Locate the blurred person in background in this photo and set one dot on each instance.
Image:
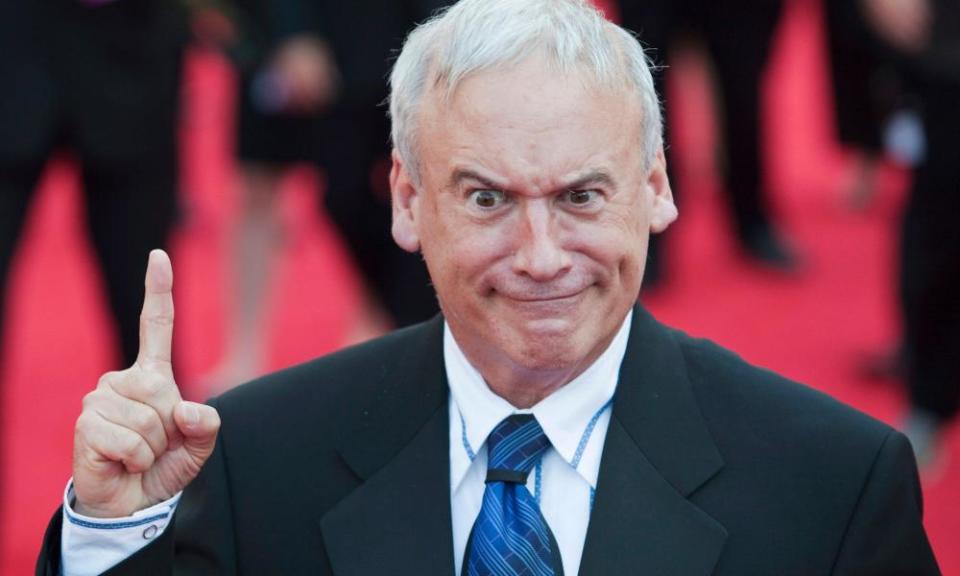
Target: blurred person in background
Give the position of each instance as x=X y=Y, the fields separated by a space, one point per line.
x=866 y=91
x=311 y=91
x=738 y=36
x=99 y=79
x=926 y=36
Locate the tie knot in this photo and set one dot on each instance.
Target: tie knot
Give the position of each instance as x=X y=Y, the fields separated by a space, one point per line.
x=514 y=447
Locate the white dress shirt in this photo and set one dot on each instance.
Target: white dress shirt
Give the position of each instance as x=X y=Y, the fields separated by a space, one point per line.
x=575 y=419
x=90 y=546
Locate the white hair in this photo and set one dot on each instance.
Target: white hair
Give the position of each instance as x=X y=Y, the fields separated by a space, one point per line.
x=476 y=35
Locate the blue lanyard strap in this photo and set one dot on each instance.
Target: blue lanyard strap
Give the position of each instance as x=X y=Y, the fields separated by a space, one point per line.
x=587 y=433
x=538 y=481
x=463 y=435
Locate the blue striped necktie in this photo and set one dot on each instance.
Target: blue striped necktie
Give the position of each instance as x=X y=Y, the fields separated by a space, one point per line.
x=510 y=536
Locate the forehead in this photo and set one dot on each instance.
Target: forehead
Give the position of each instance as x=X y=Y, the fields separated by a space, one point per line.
x=531 y=125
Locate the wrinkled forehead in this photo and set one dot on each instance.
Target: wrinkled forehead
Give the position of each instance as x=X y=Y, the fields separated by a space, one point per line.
x=534 y=87
x=530 y=119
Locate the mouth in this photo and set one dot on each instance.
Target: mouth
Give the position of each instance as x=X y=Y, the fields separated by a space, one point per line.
x=546 y=299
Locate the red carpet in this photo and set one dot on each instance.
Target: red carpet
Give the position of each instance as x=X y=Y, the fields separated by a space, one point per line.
x=814 y=328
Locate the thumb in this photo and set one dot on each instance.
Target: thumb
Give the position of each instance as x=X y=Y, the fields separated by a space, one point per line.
x=199 y=425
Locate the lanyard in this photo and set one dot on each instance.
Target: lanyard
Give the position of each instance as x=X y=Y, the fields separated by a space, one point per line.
x=538 y=469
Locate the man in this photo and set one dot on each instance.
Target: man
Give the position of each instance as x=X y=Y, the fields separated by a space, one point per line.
x=925 y=35
x=545 y=424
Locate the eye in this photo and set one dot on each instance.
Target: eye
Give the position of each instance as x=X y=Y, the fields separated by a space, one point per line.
x=487 y=199
x=581 y=198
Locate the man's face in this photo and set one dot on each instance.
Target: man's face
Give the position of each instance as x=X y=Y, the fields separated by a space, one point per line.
x=533 y=214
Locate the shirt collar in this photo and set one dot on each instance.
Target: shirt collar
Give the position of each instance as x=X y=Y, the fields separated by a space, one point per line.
x=564 y=415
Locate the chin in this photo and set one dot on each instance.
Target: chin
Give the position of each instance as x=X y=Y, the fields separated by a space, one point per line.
x=547 y=345
x=530 y=330
x=545 y=358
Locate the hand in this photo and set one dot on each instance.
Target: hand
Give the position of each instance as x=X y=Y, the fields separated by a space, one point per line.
x=905 y=24
x=306 y=68
x=136 y=442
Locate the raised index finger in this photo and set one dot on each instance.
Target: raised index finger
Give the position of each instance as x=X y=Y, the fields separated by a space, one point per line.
x=156 y=318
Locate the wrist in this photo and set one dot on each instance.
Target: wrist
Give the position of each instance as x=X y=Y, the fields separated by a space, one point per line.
x=75 y=508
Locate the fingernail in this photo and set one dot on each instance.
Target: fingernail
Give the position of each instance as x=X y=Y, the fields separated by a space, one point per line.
x=191 y=415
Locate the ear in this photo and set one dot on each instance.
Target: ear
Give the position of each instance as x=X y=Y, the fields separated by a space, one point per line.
x=405 y=201
x=663 y=211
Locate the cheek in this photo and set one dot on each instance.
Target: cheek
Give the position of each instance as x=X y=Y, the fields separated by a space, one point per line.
x=464 y=256
x=616 y=245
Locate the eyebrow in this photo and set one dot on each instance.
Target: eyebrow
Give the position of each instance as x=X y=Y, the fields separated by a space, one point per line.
x=461 y=174
x=589 y=178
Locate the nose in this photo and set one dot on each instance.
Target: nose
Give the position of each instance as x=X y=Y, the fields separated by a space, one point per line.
x=540 y=254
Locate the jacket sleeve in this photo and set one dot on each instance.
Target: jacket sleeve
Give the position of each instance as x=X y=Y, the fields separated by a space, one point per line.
x=885 y=535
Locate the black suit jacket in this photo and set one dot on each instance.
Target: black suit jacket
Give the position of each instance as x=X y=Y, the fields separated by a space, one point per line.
x=710 y=466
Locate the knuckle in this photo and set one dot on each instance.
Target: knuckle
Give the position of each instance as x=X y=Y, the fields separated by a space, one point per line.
x=108 y=380
x=139 y=419
x=90 y=399
x=91 y=433
x=84 y=424
x=139 y=460
x=146 y=421
x=152 y=385
x=127 y=445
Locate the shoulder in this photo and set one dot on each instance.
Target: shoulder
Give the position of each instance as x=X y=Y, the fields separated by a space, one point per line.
x=746 y=404
x=803 y=475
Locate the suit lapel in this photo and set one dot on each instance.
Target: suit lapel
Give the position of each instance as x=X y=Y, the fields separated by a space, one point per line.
x=657 y=452
x=398 y=520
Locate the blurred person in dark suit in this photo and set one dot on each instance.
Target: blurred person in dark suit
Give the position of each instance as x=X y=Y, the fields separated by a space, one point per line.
x=738 y=36
x=866 y=92
x=312 y=89
x=99 y=79
x=926 y=35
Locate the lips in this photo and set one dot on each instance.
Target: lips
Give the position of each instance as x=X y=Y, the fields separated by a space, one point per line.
x=527 y=299
x=543 y=299
x=534 y=293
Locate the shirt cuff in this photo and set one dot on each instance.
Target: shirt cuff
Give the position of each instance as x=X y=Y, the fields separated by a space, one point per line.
x=90 y=546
